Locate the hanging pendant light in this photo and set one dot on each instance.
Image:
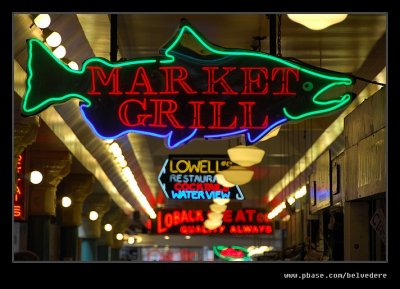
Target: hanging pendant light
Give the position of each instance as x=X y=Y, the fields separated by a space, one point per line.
x=221 y=180
x=215 y=216
x=245 y=156
x=212 y=224
x=271 y=134
x=221 y=201
x=238 y=175
x=217 y=208
x=317 y=21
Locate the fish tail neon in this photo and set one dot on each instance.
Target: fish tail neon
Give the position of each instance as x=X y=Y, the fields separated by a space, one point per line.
x=48 y=69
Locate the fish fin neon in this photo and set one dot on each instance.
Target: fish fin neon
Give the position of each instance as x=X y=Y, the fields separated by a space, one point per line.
x=174 y=140
x=254 y=135
x=190 y=44
x=49 y=81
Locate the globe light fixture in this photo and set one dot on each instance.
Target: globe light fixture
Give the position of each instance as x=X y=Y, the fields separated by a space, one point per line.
x=54 y=39
x=212 y=224
x=217 y=208
x=73 y=65
x=237 y=175
x=93 y=215
x=221 y=201
x=215 y=216
x=36 y=177
x=317 y=21
x=246 y=156
x=221 y=180
x=42 y=21
x=60 y=52
x=66 y=202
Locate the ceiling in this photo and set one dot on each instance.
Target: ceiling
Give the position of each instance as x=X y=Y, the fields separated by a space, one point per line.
x=356 y=45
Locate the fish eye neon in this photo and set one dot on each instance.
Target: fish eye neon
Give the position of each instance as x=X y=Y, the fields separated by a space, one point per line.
x=184 y=94
x=307 y=86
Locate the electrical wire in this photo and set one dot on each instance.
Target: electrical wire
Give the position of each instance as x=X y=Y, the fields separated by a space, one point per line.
x=367 y=80
x=345 y=74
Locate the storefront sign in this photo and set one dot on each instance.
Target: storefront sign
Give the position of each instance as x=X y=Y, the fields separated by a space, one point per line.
x=188 y=177
x=20 y=190
x=195 y=89
x=191 y=222
x=233 y=253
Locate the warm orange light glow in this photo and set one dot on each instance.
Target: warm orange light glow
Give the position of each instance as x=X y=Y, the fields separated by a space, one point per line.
x=17 y=211
x=19 y=194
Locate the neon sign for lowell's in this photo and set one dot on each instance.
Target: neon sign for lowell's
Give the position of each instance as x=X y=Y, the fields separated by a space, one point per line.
x=190 y=177
x=194 y=89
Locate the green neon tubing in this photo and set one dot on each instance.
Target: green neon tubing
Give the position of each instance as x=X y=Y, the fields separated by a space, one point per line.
x=348 y=81
x=67 y=68
x=340 y=80
x=339 y=103
x=217 y=250
x=345 y=99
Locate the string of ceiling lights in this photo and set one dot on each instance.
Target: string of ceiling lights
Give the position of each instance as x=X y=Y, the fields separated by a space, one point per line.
x=119 y=158
x=53 y=40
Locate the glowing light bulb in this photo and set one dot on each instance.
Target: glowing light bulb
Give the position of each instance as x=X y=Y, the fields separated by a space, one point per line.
x=36 y=177
x=108 y=227
x=54 y=39
x=66 y=202
x=93 y=215
x=119 y=236
x=42 y=21
x=60 y=52
x=73 y=65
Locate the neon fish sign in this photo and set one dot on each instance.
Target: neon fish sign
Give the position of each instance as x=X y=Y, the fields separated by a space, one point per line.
x=194 y=89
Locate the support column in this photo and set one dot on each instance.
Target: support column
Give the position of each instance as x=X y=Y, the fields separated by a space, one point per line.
x=120 y=226
x=25 y=133
x=54 y=166
x=106 y=237
x=90 y=230
x=25 y=129
x=108 y=246
x=77 y=187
